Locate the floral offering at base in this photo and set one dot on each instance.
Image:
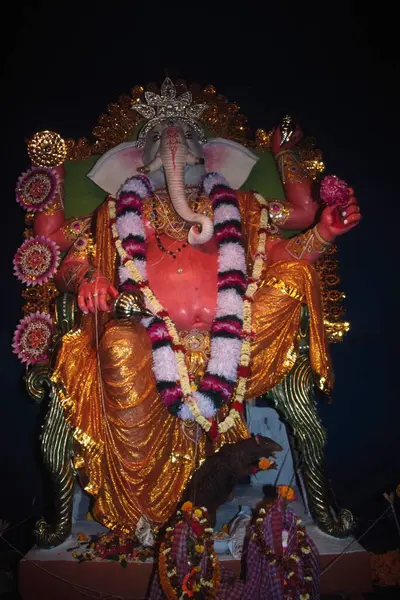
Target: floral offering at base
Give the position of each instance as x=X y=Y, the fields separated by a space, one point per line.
x=110 y=546
x=281 y=561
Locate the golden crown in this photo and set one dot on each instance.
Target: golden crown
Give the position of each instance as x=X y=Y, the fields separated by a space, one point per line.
x=166 y=105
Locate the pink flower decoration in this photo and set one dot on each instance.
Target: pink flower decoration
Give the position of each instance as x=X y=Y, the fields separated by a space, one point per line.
x=32 y=337
x=36 y=188
x=36 y=260
x=334 y=191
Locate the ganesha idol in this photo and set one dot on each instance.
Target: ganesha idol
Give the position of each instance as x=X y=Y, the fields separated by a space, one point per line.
x=192 y=291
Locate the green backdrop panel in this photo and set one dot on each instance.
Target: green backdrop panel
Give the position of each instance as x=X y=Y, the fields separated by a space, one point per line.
x=82 y=196
x=264 y=178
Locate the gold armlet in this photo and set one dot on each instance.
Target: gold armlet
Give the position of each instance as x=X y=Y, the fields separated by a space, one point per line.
x=54 y=207
x=290 y=168
x=74 y=228
x=83 y=247
x=279 y=211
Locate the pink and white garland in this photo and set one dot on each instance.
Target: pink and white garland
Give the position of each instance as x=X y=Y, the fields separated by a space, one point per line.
x=231 y=333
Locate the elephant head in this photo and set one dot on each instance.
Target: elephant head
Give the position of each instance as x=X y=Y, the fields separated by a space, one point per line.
x=171 y=149
x=173 y=156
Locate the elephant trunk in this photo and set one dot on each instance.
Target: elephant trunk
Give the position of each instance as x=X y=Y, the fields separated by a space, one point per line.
x=175 y=155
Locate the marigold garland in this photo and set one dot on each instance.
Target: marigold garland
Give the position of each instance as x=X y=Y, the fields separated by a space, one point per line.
x=132 y=256
x=200 y=541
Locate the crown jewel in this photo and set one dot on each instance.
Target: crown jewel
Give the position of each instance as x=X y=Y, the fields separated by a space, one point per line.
x=166 y=106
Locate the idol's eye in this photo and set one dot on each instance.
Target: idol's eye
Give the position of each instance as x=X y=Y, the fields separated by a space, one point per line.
x=156 y=136
x=189 y=135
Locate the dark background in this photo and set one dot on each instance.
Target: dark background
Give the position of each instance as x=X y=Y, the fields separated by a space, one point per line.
x=334 y=67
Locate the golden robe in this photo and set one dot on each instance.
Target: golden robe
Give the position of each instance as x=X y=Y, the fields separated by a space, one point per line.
x=133 y=456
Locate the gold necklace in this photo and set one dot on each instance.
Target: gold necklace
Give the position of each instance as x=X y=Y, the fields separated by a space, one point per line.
x=162 y=216
x=173 y=253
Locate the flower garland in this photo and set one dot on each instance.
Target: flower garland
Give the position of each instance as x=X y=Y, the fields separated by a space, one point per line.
x=109 y=546
x=231 y=331
x=203 y=580
x=296 y=587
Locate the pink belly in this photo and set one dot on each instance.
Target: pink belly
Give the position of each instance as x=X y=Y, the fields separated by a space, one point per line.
x=187 y=285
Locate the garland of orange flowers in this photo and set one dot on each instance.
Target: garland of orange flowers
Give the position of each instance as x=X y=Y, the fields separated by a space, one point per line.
x=193 y=585
x=236 y=407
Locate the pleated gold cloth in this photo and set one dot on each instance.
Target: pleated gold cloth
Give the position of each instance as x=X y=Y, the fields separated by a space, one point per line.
x=133 y=456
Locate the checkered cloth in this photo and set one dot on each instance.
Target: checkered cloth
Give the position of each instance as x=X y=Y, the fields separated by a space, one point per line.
x=263 y=581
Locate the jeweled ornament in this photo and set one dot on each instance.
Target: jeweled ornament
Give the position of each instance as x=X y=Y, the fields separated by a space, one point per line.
x=36 y=188
x=36 y=261
x=32 y=338
x=47 y=149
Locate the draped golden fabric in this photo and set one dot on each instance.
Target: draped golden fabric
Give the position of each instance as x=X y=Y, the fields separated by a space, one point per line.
x=276 y=314
x=133 y=456
x=276 y=320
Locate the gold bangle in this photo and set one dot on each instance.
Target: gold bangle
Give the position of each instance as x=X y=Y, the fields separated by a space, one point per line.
x=320 y=238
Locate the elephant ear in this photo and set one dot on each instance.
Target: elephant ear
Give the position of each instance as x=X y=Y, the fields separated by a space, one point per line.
x=116 y=166
x=231 y=159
